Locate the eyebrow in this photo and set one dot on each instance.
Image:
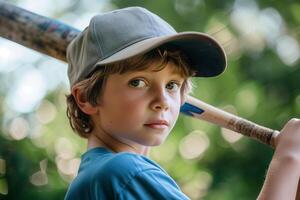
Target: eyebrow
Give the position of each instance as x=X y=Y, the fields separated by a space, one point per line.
x=174 y=73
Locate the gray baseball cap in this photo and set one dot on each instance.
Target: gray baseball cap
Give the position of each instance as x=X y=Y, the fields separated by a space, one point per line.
x=124 y=33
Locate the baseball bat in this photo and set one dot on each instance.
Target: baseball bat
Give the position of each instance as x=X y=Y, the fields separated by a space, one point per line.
x=51 y=37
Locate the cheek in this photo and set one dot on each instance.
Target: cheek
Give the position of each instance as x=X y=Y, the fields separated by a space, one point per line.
x=175 y=112
x=123 y=109
x=177 y=100
x=130 y=103
x=175 y=109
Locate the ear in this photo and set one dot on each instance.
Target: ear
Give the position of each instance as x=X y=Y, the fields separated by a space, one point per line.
x=82 y=102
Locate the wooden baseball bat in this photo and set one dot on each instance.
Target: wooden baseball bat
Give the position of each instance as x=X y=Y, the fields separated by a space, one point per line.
x=201 y=110
x=52 y=37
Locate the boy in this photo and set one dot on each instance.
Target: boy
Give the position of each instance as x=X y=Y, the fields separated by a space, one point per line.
x=129 y=73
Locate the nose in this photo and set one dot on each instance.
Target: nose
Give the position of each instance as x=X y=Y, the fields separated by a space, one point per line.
x=160 y=101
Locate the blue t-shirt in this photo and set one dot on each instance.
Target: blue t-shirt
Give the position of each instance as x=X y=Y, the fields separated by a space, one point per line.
x=106 y=175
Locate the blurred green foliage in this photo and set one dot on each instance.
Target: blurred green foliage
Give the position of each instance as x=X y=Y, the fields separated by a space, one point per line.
x=260 y=84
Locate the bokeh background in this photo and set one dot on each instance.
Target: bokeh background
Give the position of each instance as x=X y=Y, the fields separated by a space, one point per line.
x=39 y=153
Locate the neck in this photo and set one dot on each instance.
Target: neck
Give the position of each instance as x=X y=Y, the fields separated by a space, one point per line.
x=95 y=140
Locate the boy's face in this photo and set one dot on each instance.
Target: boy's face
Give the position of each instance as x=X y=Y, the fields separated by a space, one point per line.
x=139 y=108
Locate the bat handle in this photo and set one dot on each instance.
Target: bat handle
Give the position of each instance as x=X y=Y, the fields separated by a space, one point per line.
x=198 y=109
x=263 y=134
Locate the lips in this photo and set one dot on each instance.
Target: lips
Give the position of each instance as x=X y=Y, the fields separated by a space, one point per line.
x=157 y=124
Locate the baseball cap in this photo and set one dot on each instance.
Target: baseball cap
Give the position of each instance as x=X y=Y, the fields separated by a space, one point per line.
x=124 y=33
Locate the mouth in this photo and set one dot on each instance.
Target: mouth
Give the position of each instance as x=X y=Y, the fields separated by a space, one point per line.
x=157 y=124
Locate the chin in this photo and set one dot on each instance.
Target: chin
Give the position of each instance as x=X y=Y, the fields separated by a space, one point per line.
x=154 y=142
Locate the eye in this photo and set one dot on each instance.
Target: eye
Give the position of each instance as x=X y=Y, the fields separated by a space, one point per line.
x=137 y=83
x=173 y=86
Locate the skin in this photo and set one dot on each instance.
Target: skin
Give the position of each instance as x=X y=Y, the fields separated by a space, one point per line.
x=283 y=174
x=127 y=117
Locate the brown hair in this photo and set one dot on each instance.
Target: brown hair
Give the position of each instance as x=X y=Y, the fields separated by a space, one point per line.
x=92 y=86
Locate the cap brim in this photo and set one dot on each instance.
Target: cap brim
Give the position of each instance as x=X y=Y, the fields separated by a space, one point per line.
x=204 y=53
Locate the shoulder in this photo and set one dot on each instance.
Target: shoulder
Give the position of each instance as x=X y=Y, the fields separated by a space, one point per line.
x=142 y=178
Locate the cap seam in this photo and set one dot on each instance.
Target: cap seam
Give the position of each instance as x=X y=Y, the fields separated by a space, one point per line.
x=154 y=30
x=100 y=48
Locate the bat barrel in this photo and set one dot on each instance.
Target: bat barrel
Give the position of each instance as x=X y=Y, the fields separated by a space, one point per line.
x=34 y=31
